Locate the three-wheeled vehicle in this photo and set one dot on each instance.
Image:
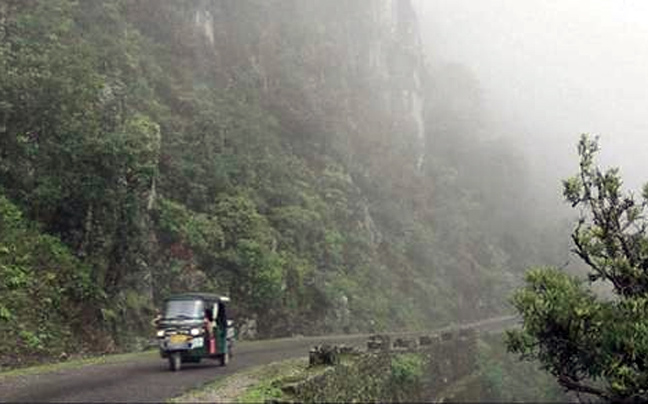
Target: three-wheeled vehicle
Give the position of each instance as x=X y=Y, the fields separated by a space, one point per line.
x=195 y=326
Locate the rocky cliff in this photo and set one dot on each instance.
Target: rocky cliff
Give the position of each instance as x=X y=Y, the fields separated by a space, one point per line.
x=282 y=152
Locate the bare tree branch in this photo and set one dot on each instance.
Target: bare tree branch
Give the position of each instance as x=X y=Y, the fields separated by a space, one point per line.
x=573 y=385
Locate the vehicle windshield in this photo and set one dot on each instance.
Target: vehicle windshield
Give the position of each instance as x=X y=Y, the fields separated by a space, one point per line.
x=188 y=309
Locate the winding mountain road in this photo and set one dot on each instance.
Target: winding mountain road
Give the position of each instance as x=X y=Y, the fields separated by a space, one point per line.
x=148 y=379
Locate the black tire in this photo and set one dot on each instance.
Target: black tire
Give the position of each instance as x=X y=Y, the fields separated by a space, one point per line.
x=175 y=361
x=224 y=359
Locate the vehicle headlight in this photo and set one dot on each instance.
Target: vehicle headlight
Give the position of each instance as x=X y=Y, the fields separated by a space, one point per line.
x=160 y=333
x=195 y=331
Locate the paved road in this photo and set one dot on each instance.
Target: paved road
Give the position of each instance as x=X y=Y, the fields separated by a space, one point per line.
x=147 y=378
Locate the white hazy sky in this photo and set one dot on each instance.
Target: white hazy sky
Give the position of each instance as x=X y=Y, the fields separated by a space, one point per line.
x=552 y=69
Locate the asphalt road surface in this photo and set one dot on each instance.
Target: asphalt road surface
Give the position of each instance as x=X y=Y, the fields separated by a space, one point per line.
x=148 y=379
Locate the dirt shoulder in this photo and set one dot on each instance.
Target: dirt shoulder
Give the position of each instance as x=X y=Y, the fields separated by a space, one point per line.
x=254 y=385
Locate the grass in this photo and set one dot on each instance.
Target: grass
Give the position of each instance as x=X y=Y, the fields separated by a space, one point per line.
x=76 y=363
x=261 y=392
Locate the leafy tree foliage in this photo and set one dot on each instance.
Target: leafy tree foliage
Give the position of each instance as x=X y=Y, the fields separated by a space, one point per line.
x=591 y=344
x=42 y=285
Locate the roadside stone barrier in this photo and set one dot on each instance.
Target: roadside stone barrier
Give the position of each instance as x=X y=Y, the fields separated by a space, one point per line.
x=373 y=375
x=379 y=343
x=324 y=355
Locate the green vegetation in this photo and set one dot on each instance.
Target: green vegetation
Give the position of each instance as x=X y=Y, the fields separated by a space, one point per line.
x=593 y=344
x=407 y=368
x=42 y=286
x=248 y=148
x=407 y=373
x=503 y=378
x=268 y=390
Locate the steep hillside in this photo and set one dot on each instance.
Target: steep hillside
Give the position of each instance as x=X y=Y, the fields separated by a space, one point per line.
x=292 y=154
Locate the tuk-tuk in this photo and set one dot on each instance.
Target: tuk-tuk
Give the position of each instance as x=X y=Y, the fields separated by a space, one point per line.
x=195 y=326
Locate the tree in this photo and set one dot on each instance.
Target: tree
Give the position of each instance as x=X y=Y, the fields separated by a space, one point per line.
x=592 y=344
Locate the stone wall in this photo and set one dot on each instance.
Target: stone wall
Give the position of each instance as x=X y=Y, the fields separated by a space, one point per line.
x=434 y=363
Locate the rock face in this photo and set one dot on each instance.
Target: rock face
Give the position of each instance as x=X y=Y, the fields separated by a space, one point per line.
x=349 y=68
x=345 y=81
x=273 y=150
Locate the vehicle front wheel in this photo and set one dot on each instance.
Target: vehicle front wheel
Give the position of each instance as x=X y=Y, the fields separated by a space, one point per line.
x=175 y=361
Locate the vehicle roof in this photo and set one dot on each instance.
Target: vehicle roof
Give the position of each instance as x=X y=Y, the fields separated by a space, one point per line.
x=199 y=295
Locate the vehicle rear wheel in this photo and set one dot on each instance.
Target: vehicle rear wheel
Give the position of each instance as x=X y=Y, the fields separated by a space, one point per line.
x=224 y=359
x=175 y=361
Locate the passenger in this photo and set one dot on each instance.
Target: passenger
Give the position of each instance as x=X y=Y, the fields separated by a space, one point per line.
x=157 y=318
x=208 y=323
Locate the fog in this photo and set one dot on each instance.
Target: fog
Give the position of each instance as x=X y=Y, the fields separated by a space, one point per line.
x=549 y=70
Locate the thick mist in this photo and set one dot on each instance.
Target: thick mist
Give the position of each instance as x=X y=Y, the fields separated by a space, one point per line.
x=548 y=71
